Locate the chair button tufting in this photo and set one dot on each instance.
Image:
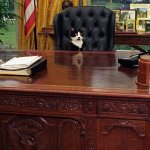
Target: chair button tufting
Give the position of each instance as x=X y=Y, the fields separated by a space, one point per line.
x=84 y=24
x=96 y=24
x=72 y=24
x=95 y=44
x=91 y=14
x=101 y=34
x=78 y=14
x=89 y=34
x=67 y=15
x=103 y=14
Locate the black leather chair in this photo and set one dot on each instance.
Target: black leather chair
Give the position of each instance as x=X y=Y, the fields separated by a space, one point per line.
x=98 y=25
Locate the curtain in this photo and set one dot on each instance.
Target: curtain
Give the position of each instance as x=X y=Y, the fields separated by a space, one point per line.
x=46 y=10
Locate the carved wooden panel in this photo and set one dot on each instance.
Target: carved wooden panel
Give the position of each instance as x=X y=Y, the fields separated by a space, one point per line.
x=91 y=134
x=71 y=135
x=121 y=135
x=122 y=108
x=20 y=133
x=42 y=102
x=90 y=106
x=41 y=133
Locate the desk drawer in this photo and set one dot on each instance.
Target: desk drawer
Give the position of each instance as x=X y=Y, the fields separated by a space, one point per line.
x=123 y=109
x=47 y=104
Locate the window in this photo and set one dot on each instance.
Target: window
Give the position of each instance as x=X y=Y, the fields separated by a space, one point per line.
x=113 y=4
x=8 y=24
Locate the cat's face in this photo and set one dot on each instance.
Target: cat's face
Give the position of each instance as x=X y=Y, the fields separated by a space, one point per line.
x=76 y=35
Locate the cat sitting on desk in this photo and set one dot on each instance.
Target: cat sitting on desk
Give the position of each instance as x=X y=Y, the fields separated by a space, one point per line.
x=76 y=39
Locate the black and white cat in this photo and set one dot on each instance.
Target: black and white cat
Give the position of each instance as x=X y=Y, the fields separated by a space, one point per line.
x=76 y=39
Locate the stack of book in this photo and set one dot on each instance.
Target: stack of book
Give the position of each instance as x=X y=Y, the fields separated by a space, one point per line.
x=24 y=66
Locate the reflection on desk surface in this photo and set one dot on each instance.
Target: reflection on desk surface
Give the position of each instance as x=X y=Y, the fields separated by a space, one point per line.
x=77 y=69
x=8 y=79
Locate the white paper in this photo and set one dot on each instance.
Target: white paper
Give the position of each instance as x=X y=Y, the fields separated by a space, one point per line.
x=20 y=62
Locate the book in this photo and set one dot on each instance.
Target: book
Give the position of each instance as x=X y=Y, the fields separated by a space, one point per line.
x=20 y=62
x=16 y=79
x=32 y=69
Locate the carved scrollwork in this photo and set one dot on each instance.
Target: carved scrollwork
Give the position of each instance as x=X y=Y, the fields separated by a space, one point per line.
x=42 y=103
x=90 y=107
x=77 y=123
x=27 y=130
x=124 y=107
x=110 y=125
x=91 y=134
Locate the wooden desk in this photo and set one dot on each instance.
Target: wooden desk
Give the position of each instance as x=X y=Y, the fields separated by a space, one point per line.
x=133 y=40
x=80 y=102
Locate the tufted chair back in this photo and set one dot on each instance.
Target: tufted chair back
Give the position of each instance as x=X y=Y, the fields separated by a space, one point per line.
x=97 y=22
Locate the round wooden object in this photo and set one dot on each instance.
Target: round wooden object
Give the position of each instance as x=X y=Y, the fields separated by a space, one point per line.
x=143 y=72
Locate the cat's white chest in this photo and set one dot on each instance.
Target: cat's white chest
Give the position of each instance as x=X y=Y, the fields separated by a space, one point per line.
x=77 y=43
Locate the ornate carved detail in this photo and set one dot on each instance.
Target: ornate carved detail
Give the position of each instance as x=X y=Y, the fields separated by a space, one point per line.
x=78 y=123
x=27 y=130
x=90 y=106
x=91 y=134
x=139 y=129
x=124 y=107
x=43 y=103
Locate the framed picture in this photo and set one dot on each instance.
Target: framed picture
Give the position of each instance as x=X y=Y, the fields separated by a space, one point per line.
x=147 y=26
x=117 y=14
x=142 y=23
x=142 y=10
x=130 y=25
x=128 y=16
x=119 y=27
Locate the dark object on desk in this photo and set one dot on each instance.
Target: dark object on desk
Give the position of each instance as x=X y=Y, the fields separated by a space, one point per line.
x=98 y=25
x=36 y=67
x=125 y=71
x=132 y=61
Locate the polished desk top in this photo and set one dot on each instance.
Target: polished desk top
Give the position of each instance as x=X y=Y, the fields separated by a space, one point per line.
x=94 y=73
